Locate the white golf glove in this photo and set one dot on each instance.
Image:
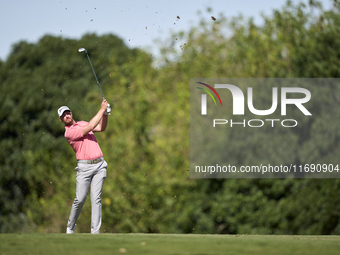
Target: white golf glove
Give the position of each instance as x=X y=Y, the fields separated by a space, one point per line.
x=108 y=110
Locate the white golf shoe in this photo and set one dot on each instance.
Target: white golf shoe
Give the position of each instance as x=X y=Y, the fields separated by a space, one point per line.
x=71 y=231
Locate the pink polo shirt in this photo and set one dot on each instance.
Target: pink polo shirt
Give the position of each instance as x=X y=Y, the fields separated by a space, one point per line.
x=86 y=147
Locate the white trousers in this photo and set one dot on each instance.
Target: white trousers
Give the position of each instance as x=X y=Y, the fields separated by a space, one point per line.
x=94 y=175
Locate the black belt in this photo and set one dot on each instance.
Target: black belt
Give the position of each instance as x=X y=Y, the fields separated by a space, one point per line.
x=93 y=161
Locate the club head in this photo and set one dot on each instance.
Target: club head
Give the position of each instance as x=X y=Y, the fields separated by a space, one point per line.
x=82 y=49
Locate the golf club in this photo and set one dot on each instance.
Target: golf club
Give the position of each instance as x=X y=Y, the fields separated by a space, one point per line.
x=88 y=57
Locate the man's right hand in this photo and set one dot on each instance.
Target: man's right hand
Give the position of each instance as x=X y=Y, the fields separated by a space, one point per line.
x=104 y=105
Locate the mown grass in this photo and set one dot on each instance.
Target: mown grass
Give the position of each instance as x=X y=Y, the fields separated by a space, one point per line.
x=160 y=244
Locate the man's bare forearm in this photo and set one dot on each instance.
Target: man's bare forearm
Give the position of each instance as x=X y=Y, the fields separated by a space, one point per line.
x=102 y=124
x=93 y=122
x=96 y=119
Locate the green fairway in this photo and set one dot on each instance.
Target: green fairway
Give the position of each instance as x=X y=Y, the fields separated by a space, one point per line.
x=166 y=244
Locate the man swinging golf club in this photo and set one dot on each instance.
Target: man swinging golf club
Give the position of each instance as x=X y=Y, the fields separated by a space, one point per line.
x=91 y=166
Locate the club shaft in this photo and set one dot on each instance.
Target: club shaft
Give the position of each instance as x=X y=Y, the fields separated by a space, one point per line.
x=88 y=57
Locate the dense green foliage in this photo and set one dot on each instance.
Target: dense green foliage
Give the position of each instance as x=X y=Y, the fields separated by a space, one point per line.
x=146 y=144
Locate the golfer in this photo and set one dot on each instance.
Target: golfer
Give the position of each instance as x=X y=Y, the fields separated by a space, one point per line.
x=91 y=167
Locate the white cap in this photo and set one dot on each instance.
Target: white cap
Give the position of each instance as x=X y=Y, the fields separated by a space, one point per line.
x=62 y=109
